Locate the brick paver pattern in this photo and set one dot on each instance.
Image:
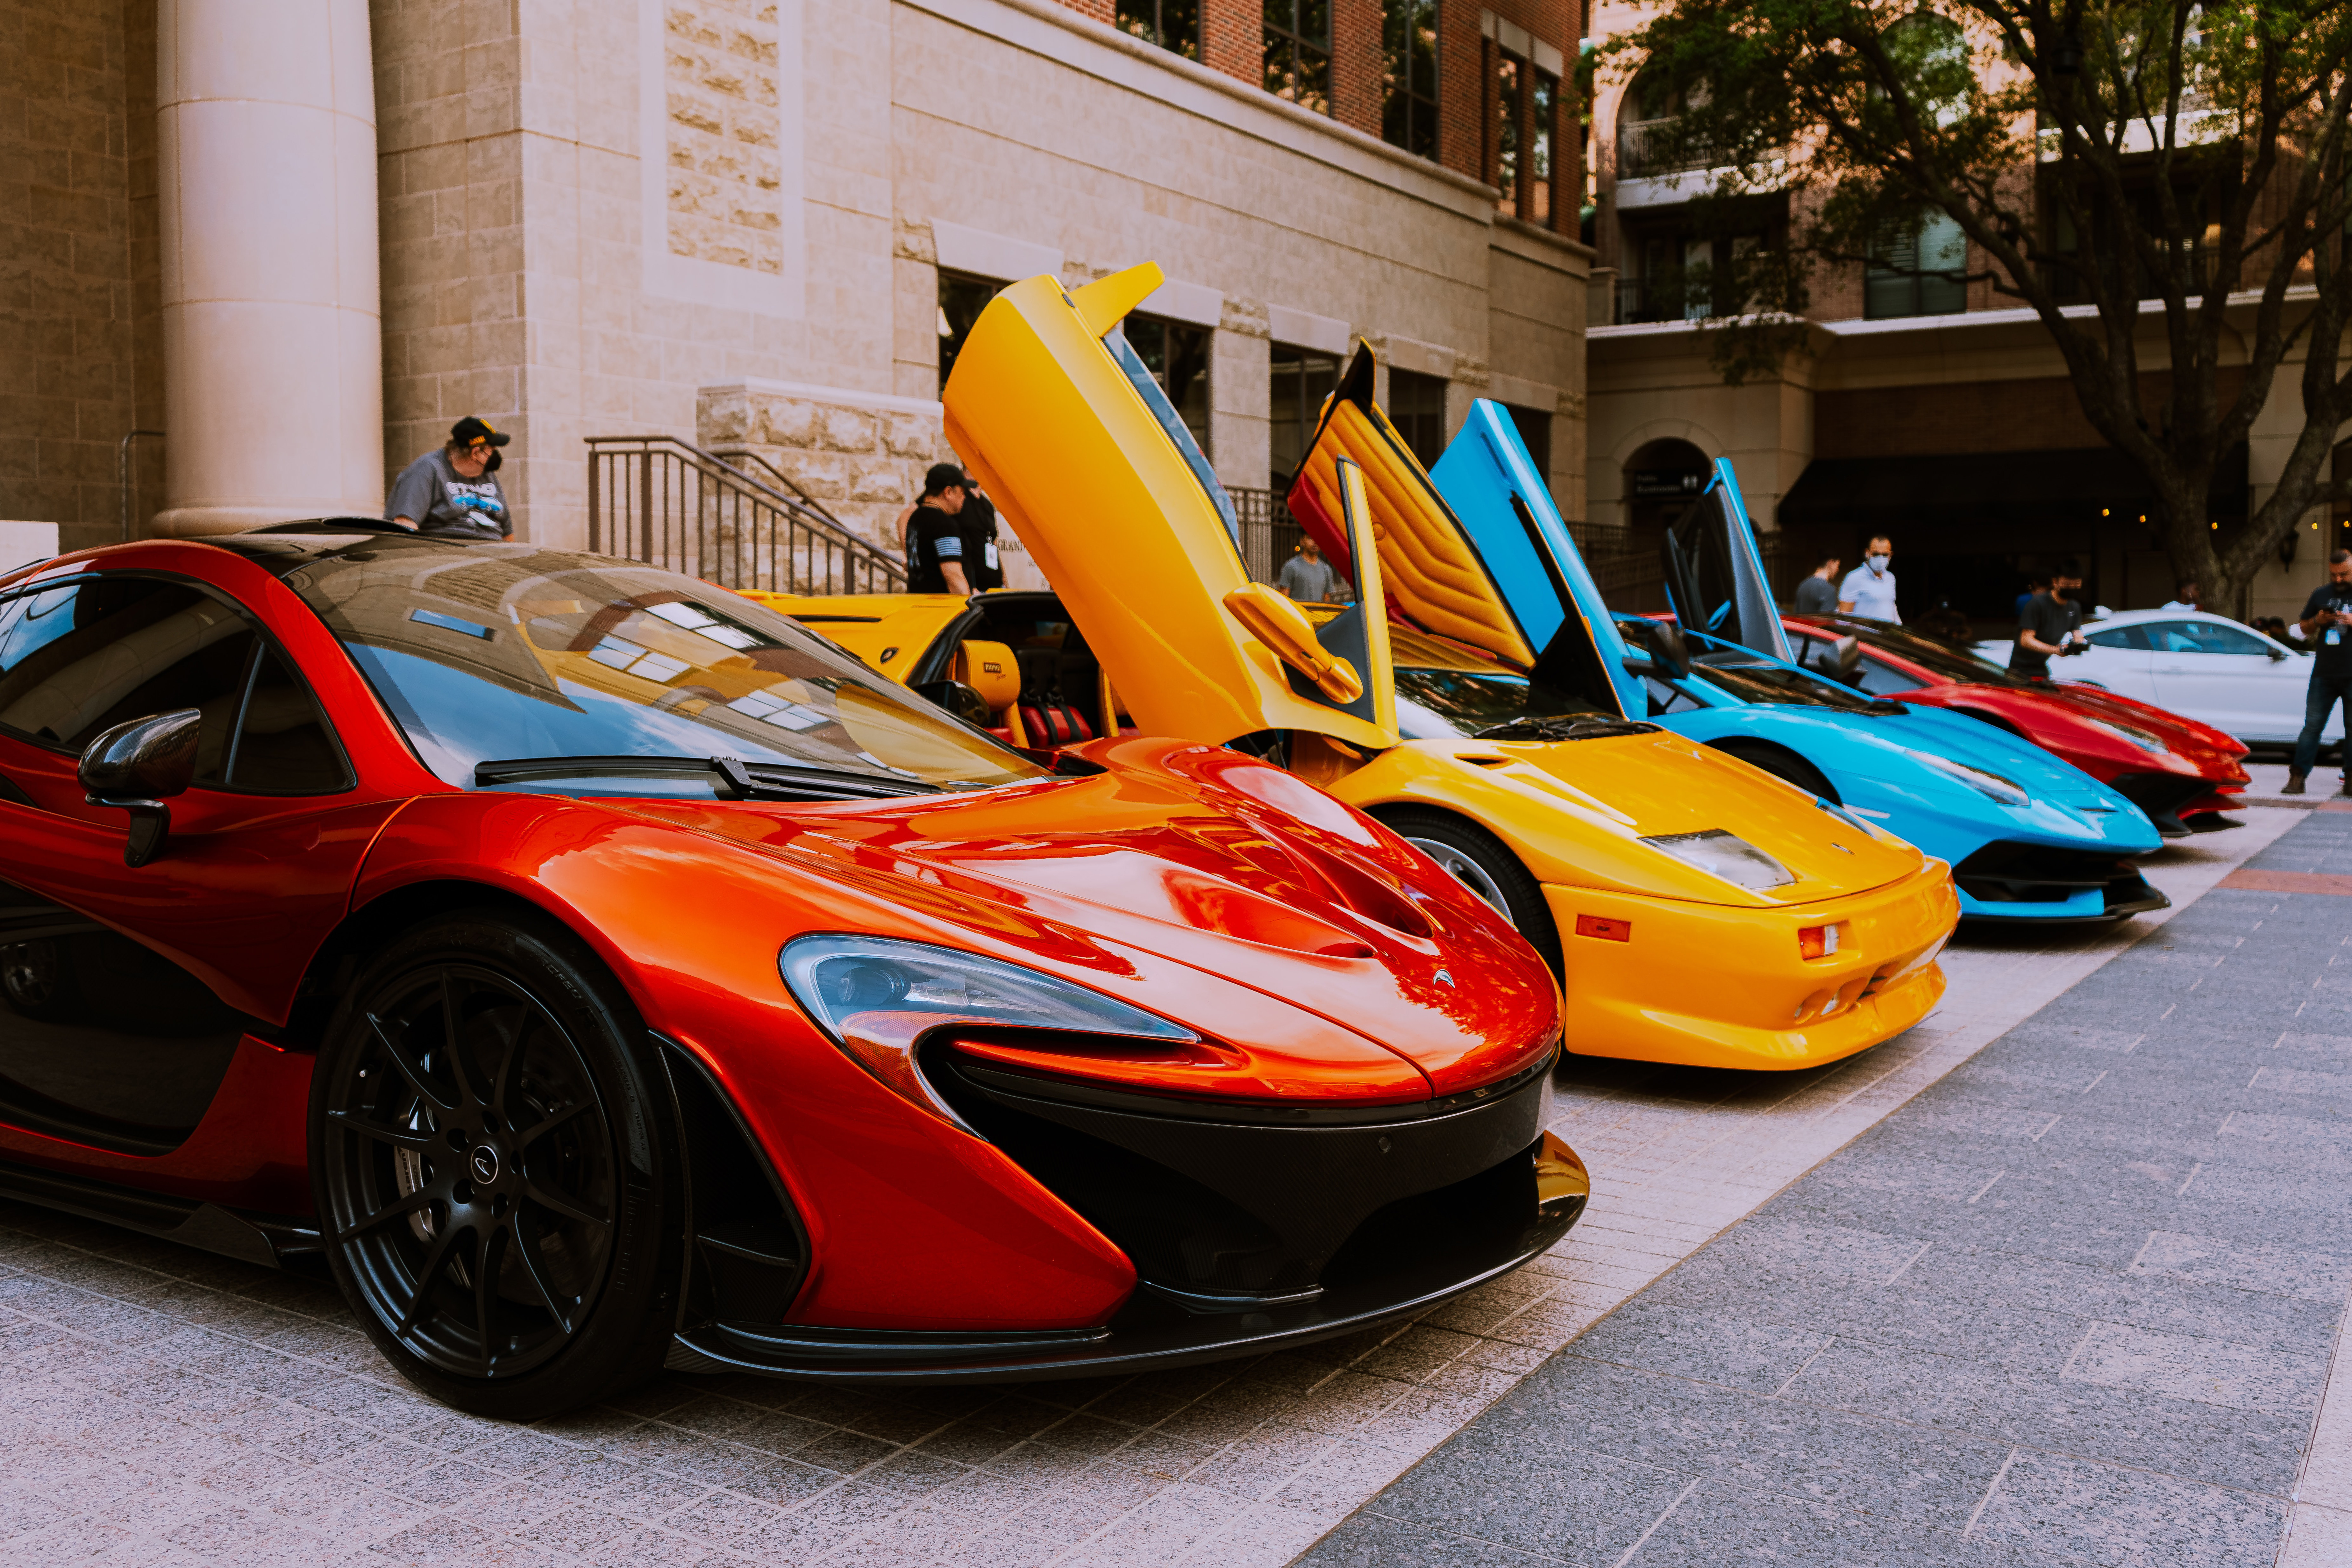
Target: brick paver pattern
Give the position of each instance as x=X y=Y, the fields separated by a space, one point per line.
x=2075 y=1302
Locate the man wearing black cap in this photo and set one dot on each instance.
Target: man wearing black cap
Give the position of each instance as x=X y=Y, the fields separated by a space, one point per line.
x=935 y=541
x=450 y=492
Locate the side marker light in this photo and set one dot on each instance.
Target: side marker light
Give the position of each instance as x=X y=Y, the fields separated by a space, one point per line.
x=1605 y=929
x=1816 y=942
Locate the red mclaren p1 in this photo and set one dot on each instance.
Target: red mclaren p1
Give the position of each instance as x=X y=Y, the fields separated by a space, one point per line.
x=2181 y=772
x=594 y=971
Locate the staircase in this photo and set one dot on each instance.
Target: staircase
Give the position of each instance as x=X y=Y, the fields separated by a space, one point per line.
x=729 y=518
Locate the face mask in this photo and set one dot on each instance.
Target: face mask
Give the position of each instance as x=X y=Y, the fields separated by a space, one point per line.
x=1878 y=563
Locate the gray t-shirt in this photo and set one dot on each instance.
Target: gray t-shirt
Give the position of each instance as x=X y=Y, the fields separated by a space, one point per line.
x=440 y=500
x=1816 y=596
x=1308 y=581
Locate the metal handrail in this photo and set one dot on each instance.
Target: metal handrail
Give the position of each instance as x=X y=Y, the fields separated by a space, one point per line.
x=670 y=503
x=736 y=457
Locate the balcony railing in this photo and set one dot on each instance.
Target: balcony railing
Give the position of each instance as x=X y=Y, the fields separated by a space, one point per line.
x=731 y=518
x=1641 y=150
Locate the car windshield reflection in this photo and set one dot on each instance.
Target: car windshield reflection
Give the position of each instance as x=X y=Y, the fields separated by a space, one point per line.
x=499 y=653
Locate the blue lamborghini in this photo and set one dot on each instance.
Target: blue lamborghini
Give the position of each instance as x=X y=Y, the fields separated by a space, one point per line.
x=2029 y=838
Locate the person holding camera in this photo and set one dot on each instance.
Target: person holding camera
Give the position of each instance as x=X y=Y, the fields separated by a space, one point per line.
x=2325 y=623
x=2050 y=626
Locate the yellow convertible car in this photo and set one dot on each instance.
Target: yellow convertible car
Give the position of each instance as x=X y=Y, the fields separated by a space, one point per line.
x=1696 y=909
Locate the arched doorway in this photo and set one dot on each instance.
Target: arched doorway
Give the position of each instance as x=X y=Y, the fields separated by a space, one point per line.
x=1661 y=478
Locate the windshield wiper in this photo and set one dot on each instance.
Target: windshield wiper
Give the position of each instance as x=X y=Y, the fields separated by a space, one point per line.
x=1563 y=727
x=738 y=780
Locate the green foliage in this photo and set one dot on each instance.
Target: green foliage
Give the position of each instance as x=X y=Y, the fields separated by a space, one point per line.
x=2096 y=156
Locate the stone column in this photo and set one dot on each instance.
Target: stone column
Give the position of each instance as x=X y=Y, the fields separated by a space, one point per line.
x=273 y=383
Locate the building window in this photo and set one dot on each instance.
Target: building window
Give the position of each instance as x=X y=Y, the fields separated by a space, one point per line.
x=1527 y=118
x=1177 y=355
x=1173 y=25
x=1408 y=75
x=1925 y=273
x=1543 y=118
x=1299 y=52
x=1302 y=379
x=1417 y=408
x=1534 y=427
x=962 y=299
x=1510 y=108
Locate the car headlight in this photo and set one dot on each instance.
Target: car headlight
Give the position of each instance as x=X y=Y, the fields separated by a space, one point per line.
x=2006 y=791
x=1726 y=854
x=2145 y=741
x=877 y=995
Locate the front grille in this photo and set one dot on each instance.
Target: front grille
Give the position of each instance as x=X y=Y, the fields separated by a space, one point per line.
x=2161 y=796
x=1262 y=1207
x=2011 y=873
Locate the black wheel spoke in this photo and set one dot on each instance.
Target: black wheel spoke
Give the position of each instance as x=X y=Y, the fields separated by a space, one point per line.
x=563 y=1204
x=534 y=1269
x=487 y=1258
x=510 y=1074
x=406 y=1138
x=408 y=1067
x=547 y=1124
x=436 y=1259
x=455 y=1049
x=391 y=1211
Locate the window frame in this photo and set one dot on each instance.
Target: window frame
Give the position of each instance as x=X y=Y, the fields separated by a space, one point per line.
x=1158 y=33
x=1401 y=99
x=1284 y=38
x=265 y=642
x=948 y=277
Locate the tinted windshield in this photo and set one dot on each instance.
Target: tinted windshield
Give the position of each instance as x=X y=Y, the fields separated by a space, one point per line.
x=1752 y=681
x=505 y=652
x=1935 y=657
x=1445 y=694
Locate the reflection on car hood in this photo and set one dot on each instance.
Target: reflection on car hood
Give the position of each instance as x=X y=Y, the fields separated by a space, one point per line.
x=1631 y=787
x=1228 y=867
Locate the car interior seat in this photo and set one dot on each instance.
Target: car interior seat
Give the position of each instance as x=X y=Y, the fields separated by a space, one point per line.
x=990 y=669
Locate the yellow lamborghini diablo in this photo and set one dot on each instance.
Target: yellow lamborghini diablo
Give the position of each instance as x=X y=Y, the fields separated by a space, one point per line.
x=1696 y=909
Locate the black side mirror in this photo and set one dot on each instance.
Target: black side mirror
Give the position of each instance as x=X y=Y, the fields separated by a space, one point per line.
x=136 y=767
x=1662 y=641
x=959 y=700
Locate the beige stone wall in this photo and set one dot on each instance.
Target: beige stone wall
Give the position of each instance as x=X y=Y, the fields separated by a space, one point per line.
x=79 y=334
x=515 y=227
x=726 y=170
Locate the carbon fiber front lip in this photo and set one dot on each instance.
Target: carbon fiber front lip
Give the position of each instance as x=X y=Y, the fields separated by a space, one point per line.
x=852 y=1356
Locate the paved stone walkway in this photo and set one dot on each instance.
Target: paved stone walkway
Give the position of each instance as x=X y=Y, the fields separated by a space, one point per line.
x=164 y=1406
x=2075 y=1302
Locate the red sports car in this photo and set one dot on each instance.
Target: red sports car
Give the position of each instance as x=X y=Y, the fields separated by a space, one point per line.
x=594 y=970
x=2181 y=772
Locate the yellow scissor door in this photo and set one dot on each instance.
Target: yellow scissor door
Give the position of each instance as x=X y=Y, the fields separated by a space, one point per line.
x=1089 y=463
x=1434 y=578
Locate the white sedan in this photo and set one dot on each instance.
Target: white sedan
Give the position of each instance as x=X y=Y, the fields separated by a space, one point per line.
x=2201 y=666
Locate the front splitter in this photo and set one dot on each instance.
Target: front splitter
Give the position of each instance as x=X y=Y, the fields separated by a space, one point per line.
x=885 y=1356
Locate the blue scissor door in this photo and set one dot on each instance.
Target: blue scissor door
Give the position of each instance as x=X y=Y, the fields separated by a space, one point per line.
x=1714 y=573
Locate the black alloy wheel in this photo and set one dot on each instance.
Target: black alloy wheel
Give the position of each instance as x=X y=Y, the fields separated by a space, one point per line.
x=1484 y=864
x=490 y=1160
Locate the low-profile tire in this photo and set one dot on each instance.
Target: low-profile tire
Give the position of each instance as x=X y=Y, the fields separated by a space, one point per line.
x=1782 y=763
x=1484 y=864
x=494 y=1158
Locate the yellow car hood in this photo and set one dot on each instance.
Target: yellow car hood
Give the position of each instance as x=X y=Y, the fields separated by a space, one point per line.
x=886 y=632
x=1625 y=788
x=1093 y=471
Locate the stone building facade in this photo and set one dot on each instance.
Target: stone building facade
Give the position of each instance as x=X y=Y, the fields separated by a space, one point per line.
x=743 y=223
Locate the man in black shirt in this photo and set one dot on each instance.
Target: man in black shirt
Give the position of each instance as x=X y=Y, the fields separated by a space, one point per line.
x=977 y=522
x=935 y=544
x=2327 y=622
x=2047 y=626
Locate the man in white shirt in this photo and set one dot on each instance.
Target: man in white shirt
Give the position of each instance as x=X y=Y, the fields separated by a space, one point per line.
x=1869 y=589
